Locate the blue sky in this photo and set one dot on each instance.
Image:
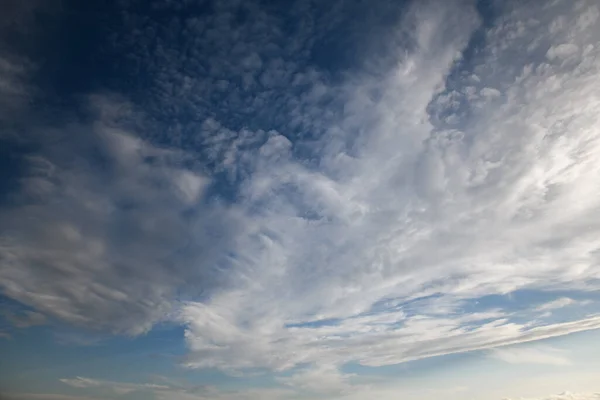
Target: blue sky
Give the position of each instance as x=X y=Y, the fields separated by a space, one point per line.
x=299 y=200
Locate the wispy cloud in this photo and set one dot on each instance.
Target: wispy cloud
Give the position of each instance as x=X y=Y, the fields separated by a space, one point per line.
x=531 y=355
x=25 y=319
x=117 y=387
x=560 y=303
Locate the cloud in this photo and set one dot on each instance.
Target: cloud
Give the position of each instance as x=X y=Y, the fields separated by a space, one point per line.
x=416 y=209
x=531 y=355
x=320 y=379
x=44 y=396
x=430 y=178
x=107 y=242
x=371 y=345
x=558 y=303
x=247 y=394
x=237 y=69
x=19 y=29
x=570 y=396
x=178 y=391
x=562 y=51
x=117 y=387
x=25 y=319
x=14 y=91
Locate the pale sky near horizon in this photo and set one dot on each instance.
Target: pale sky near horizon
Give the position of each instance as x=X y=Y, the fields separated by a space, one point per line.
x=289 y=200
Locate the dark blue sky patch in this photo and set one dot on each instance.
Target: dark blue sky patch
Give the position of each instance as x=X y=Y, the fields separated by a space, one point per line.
x=12 y=167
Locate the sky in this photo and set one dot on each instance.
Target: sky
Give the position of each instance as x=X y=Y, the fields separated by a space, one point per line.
x=297 y=200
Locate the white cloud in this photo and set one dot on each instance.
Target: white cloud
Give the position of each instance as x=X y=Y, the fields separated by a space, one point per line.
x=558 y=303
x=412 y=210
x=531 y=355
x=562 y=51
x=490 y=92
x=320 y=379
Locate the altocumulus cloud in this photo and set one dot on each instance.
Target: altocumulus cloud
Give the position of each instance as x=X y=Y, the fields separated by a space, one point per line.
x=433 y=178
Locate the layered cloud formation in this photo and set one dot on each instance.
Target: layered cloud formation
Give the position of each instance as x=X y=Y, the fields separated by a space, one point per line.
x=297 y=220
